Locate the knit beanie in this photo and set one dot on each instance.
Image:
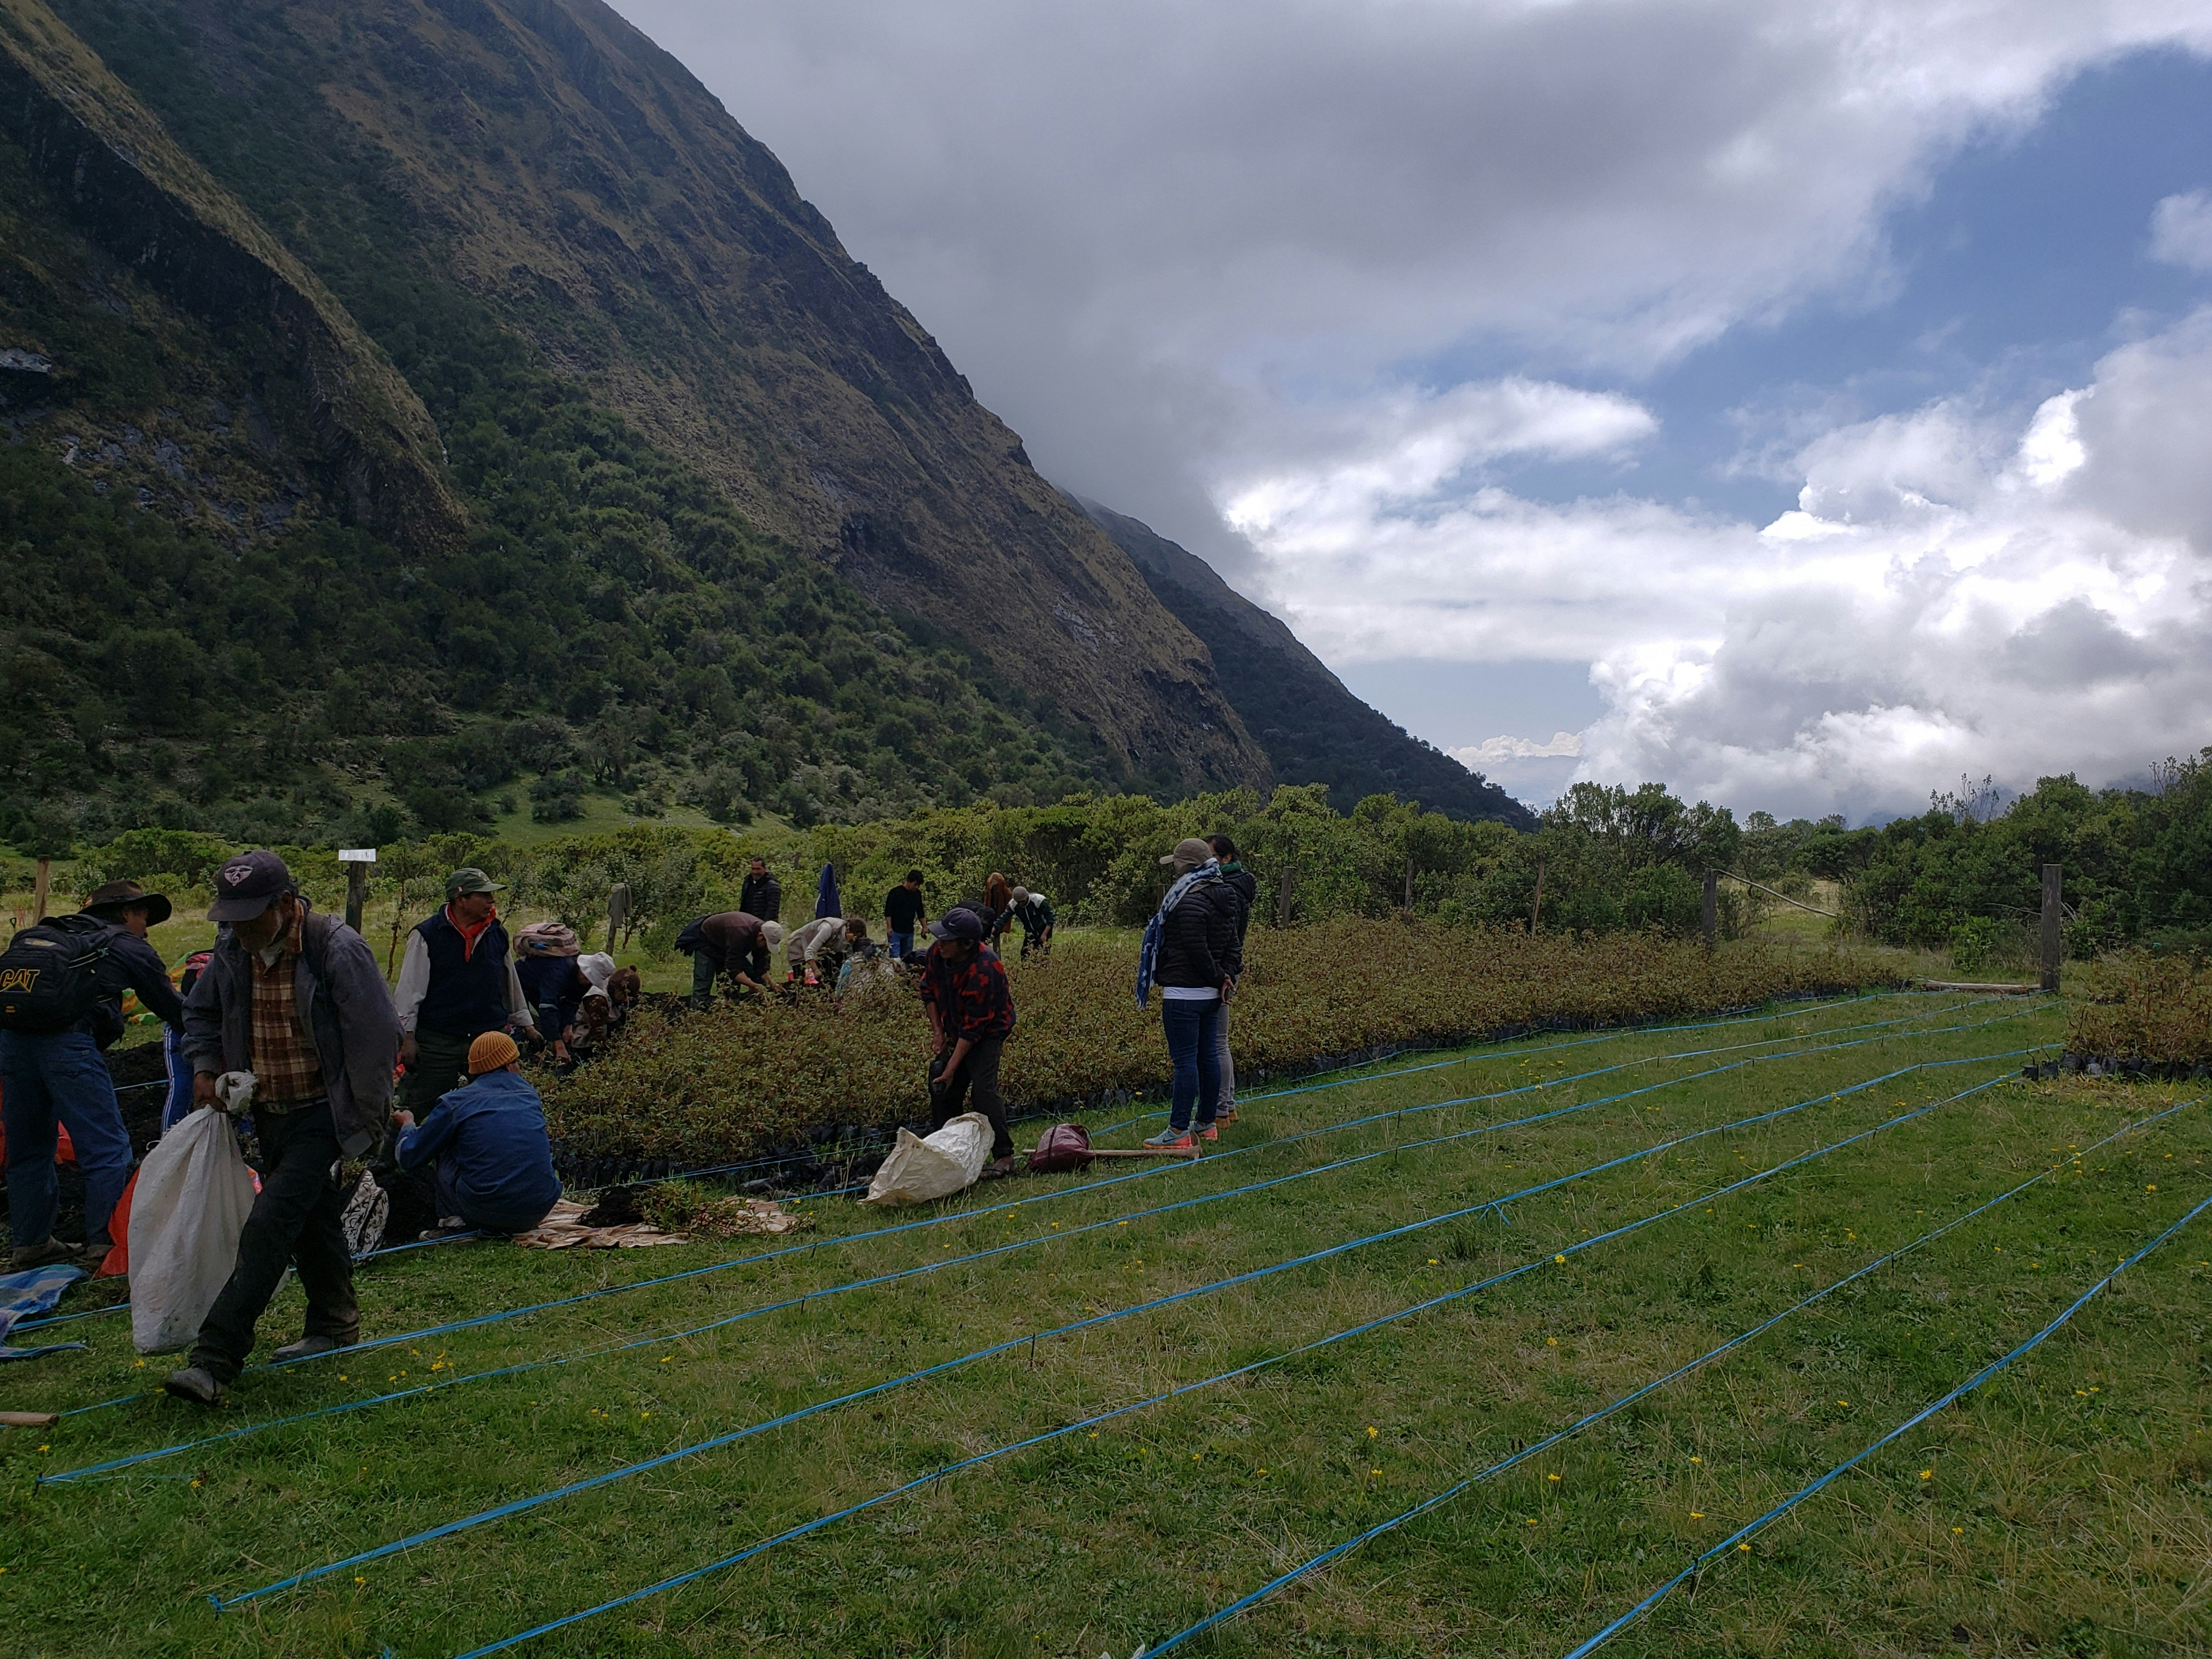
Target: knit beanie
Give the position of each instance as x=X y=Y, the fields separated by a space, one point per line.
x=491 y=1051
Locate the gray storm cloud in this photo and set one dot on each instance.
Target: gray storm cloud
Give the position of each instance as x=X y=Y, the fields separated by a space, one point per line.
x=1199 y=255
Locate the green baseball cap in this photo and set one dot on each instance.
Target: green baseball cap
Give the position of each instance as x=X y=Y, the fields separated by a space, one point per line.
x=469 y=880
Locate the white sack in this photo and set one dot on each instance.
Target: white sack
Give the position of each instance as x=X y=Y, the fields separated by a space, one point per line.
x=949 y=1161
x=193 y=1195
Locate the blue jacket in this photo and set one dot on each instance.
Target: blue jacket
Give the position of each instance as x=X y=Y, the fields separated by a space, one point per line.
x=491 y=1138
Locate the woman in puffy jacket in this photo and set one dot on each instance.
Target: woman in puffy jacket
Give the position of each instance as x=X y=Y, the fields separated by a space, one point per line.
x=1195 y=971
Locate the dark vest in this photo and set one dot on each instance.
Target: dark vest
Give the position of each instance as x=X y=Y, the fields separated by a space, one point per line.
x=468 y=990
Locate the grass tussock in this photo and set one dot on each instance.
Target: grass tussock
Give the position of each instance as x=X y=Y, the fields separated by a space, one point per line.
x=744 y=1076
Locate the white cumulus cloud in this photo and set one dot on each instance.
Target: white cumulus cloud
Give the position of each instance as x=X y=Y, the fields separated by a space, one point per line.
x=2181 y=231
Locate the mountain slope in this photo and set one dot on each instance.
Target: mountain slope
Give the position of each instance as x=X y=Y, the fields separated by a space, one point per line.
x=549 y=161
x=1313 y=729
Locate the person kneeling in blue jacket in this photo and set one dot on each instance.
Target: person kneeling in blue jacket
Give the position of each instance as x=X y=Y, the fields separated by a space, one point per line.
x=495 y=1163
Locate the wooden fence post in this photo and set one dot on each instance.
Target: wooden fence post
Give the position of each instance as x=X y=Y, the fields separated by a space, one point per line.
x=1536 y=904
x=1282 y=900
x=38 y=884
x=1409 y=883
x=2052 y=936
x=1712 y=909
x=357 y=860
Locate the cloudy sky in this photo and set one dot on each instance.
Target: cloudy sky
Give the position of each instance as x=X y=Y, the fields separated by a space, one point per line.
x=1802 y=402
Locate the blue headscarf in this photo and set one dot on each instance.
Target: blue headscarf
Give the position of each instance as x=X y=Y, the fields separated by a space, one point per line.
x=1157 y=928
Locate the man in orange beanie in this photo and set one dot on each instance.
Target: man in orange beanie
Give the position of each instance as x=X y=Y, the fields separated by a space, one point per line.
x=495 y=1163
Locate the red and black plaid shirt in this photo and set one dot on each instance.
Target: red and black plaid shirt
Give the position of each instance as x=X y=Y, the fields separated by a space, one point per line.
x=972 y=998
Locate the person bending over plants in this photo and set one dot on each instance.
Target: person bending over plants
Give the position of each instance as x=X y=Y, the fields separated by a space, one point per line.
x=971 y=1013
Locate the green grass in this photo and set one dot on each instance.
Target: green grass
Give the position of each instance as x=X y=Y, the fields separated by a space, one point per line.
x=2074 y=1519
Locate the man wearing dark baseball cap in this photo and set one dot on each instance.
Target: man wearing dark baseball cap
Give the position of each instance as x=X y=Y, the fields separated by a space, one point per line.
x=51 y=1077
x=296 y=998
x=456 y=982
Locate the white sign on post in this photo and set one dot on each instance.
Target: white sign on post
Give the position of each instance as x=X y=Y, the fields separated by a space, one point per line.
x=357 y=855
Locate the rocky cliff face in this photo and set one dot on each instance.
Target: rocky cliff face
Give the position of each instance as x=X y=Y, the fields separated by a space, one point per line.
x=128 y=197
x=563 y=171
x=1314 y=729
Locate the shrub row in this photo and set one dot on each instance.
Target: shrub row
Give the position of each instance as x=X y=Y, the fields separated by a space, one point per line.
x=745 y=1079
x=2155 y=1009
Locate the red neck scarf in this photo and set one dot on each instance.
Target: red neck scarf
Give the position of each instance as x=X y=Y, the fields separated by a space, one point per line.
x=470 y=935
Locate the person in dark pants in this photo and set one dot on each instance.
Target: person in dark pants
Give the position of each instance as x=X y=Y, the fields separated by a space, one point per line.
x=48 y=1077
x=546 y=964
x=735 y=943
x=456 y=982
x=971 y=1009
x=1194 y=963
x=1034 y=912
x=1234 y=873
x=903 y=908
x=296 y=998
x=494 y=1163
x=761 y=894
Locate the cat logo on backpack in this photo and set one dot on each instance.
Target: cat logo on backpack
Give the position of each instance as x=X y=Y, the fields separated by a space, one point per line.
x=49 y=973
x=18 y=979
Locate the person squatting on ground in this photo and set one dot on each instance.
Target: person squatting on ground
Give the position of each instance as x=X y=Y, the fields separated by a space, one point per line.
x=1034 y=912
x=298 y=1000
x=456 y=982
x=547 y=965
x=610 y=994
x=734 y=942
x=971 y=1013
x=903 y=908
x=760 y=894
x=58 y=1076
x=1190 y=952
x=494 y=1161
x=1248 y=894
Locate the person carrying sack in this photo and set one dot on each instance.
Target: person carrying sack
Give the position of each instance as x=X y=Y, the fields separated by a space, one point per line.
x=297 y=1000
x=1190 y=951
x=61 y=1002
x=971 y=1014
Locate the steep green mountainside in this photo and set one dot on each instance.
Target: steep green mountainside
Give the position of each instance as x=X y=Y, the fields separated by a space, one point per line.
x=1313 y=729
x=543 y=161
x=243 y=594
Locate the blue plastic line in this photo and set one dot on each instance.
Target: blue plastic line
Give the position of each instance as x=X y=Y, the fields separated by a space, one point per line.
x=1180 y=1390
x=657 y=1339
x=1499 y=1052
x=1245 y=1604
x=519 y=1506
x=1594 y=1642
x=896 y=1275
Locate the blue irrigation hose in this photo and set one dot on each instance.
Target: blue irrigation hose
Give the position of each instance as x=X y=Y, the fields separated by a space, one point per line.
x=1501 y=1053
x=821 y=1522
x=1165 y=1167
x=503 y=1511
x=1741 y=1533
x=1335 y=1551
x=897 y=1275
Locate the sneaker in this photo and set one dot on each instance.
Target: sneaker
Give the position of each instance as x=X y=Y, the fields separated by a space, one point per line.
x=1207 y=1132
x=45 y=1254
x=196 y=1384
x=1171 y=1140
x=308 y=1347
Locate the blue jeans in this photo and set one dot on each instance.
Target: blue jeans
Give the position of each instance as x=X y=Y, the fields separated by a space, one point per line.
x=1194 y=1047
x=901 y=945
x=51 y=1075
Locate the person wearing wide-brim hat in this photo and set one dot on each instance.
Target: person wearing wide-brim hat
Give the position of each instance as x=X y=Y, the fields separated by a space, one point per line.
x=456 y=982
x=49 y=1078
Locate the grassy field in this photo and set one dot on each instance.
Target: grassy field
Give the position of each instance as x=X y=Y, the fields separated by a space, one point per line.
x=2062 y=1509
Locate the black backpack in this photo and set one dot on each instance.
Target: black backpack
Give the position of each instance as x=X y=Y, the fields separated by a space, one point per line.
x=50 y=974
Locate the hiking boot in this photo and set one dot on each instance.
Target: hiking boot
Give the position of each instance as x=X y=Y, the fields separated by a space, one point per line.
x=1225 y=1115
x=307 y=1348
x=1171 y=1139
x=1207 y=1132
x=42 y=1255
x=196 y=1384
